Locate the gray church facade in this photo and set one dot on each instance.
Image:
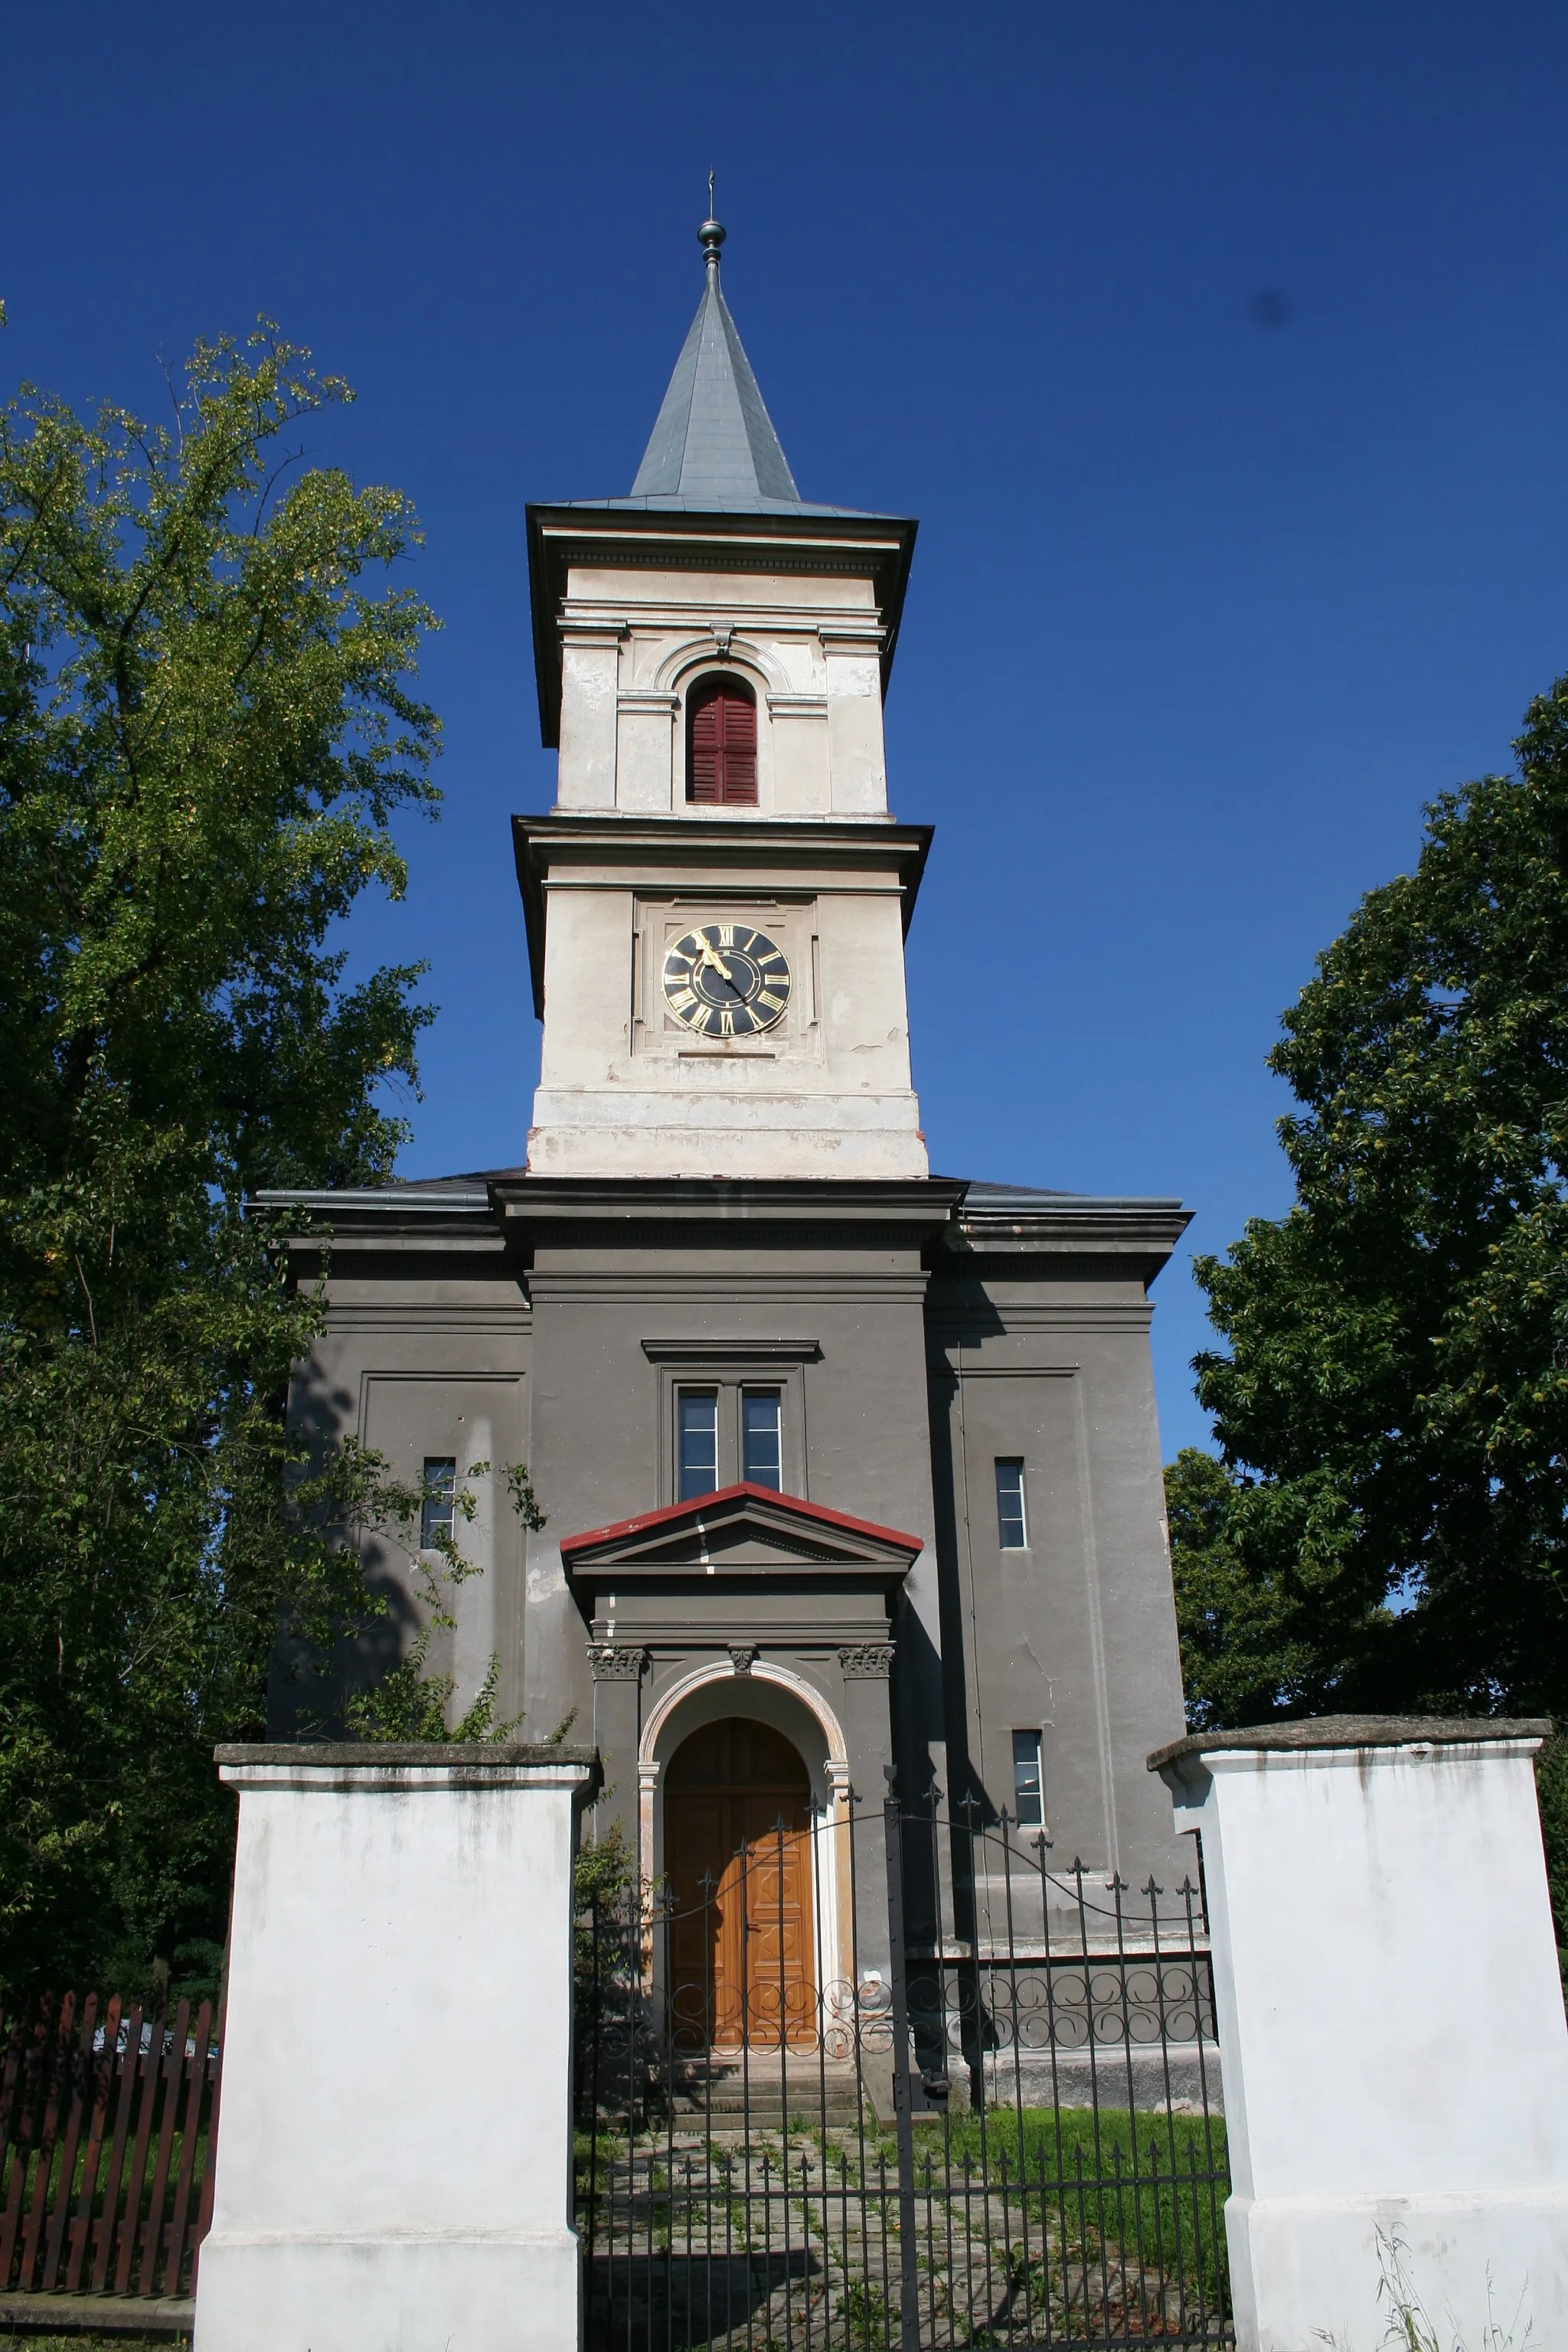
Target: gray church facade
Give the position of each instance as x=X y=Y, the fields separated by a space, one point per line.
x=847 y=1467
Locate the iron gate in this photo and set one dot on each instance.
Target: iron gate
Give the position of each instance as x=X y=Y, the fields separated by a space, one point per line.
x=977 y=2104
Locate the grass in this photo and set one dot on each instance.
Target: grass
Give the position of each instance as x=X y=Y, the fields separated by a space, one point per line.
x=1152 y=2186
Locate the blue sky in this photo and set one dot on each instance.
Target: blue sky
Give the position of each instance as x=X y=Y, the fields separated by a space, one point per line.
x=1220 y=351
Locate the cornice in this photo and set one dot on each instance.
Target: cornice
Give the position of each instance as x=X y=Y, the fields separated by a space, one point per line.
x=376 y=1219
x=1144 y=1232
x=910 y=1204
x=747 y=1351
x=733 y=844
x=877 y=547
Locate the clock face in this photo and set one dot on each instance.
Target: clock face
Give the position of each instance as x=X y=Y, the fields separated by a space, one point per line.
x=726 y=980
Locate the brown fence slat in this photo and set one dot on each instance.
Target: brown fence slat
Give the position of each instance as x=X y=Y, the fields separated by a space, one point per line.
x=126 y=2063
x=195 y=2074
x=148 y=2062
x=11 y=2079
x=74 y=2063
x=214 y=2065
x=99 y=2076
x=31 y=2046
x=56 y=2040
x=174 y=2067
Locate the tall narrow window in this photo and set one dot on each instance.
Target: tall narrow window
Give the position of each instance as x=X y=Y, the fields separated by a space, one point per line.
x=1029 y=1786
x=762 y=1455
x=1012 y=1529
x=440 y=1491
x=697 y=1443
x=721 y=743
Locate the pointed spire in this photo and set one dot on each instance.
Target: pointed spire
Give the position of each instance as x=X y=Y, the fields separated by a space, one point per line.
x=713 y=445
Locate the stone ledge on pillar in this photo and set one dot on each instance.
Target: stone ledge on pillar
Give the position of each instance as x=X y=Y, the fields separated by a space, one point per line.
x=1392 y=2032
x=399 y=1910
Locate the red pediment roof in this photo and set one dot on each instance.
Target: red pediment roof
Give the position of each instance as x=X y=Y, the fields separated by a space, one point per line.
x=729 y=1503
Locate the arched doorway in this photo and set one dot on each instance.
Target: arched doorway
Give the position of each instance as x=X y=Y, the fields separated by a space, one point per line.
x=737 y=1849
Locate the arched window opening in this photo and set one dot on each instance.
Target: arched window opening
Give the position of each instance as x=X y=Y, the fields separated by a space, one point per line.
x=721 y=744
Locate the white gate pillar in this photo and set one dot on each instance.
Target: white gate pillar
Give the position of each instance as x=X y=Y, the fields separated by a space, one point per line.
x=1391 y=2024
x=395 y=2156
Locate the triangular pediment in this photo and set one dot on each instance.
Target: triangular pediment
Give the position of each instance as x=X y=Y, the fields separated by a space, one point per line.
x=741 y=1531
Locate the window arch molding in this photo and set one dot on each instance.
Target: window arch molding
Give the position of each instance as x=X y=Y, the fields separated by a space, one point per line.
x=698 y=658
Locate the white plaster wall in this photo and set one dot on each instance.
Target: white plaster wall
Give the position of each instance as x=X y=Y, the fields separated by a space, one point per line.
x=644 y=753
x=379 y=2188
x=590 y=668
x=865 y=1007
x=859 y=779
x=1392 y=2037
x=803 y=777
x=587 y=987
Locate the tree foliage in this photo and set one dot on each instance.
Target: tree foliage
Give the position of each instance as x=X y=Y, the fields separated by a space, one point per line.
x=207 y=729
x=1388 y=1526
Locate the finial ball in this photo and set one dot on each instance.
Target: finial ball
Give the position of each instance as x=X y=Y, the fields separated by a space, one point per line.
x=710 y=237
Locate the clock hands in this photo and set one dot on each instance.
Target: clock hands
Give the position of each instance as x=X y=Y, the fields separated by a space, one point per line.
x=710 y=956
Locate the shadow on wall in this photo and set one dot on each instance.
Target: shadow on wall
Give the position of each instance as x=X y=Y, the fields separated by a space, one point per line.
x=306 y=1692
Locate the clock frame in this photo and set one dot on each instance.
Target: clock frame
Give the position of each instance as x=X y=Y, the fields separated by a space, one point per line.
x=726 y=980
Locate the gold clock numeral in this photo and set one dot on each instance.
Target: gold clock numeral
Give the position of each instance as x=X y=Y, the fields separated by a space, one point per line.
x=726 y=935
x=683 y=1000
x=726 y=1021
x=771 y=1004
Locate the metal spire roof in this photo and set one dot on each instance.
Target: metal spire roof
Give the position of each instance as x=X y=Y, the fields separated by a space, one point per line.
x=713 y=448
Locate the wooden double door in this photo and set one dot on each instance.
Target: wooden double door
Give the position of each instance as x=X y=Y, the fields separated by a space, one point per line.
x=737 y=1851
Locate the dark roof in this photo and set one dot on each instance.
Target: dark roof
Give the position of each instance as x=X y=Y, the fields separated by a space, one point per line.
x=475 y=1181
x=713 y=447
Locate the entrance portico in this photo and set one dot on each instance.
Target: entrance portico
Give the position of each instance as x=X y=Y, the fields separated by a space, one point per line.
x=746 y=1607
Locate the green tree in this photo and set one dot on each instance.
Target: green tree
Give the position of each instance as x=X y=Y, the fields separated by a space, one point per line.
x=1386 y=1524
x=206 y=728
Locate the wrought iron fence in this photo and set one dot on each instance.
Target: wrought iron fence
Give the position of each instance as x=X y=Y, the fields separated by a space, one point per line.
x=848 y=2123
x=108 y=2114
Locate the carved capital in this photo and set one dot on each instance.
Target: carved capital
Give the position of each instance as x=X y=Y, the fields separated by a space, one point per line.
x=868 y=1662
x=616 y=1661
x=743 y=1656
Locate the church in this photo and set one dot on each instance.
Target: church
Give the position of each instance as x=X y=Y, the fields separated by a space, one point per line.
x=848 y=1469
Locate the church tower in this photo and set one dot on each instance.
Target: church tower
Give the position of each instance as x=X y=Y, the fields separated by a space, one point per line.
x=847 y=1468
x=716 y=904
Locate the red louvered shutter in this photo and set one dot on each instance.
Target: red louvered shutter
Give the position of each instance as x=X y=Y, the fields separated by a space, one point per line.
x=721 y=760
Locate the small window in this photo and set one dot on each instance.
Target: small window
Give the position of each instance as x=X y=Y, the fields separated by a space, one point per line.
x=721 y=744
x=697 y=1443
x=1012 y=1532
x=761 y=1440
x=436 y=1510
x=1028 y=1786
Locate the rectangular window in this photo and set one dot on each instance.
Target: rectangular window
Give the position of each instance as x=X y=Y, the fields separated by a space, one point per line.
x=436 y=1510
x=761 y=1442
x=1012 y=1533
x=1028 y=1788
x=697 y=1443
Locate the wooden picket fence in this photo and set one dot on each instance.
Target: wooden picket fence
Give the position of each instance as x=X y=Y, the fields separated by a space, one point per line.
x=108 y=2124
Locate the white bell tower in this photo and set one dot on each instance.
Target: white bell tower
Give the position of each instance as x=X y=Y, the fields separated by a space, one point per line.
x=716 y=904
